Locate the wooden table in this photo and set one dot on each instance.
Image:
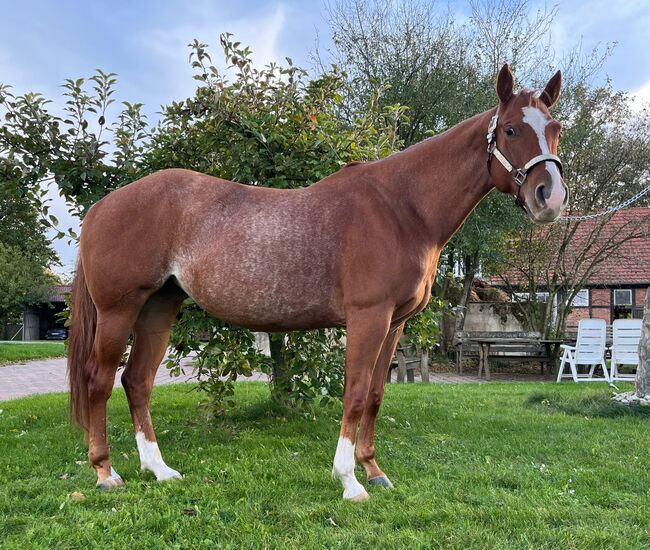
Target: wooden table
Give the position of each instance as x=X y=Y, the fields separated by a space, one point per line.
x=551 y=345
x=484 y=345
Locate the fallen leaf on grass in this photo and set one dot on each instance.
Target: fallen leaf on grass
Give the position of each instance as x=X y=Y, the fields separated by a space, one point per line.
x=77 y=496
x=332 y=522
x=189 y=511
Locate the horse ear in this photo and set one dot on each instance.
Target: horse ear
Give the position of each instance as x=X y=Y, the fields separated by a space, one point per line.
x=505 y=84
x=551 y=93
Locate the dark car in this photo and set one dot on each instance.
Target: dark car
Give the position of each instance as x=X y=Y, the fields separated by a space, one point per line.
x=56 y=334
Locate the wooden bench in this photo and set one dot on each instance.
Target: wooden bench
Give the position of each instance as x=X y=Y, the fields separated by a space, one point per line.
x=405 y=361
x=504 y=346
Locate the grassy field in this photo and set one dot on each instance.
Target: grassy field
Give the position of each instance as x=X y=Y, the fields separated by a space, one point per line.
x=17 y=352
x=475 y=466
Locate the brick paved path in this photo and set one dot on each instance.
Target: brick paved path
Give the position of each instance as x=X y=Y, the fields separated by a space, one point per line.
x=49 y=375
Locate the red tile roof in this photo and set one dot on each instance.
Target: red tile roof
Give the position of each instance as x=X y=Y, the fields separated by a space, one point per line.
x=631 y=263
x=58 y=293
x=628 y=264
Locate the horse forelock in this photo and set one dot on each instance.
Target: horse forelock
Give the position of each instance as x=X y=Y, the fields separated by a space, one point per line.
x=528 y=98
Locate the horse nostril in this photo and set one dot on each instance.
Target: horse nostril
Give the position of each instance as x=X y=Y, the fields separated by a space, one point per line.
x=540 y=195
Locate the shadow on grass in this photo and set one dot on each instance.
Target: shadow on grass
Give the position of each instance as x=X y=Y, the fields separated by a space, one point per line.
x=597 y=405
x=269 y=410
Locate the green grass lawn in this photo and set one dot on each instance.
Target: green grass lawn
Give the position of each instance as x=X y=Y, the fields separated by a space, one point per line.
x=474 y=466
x=18 y=352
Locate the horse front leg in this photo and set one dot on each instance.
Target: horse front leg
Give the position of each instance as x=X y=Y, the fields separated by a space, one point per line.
x=365 y=450
x=366 y=332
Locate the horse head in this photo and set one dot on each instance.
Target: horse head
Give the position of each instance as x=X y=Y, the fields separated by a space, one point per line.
x=523 y=140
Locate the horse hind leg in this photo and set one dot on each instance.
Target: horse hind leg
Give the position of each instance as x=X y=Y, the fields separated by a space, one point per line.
x=150 y=340
x=111 y=337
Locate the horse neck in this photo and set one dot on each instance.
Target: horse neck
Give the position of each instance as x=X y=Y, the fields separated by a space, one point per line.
x=440 y=180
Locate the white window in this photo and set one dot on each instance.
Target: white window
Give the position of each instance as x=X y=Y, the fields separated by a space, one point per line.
x=525 y=297
x=542 y=297
x=581 y=299
x=623 y=297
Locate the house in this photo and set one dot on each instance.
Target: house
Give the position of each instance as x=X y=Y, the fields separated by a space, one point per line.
x=39 y=318
x=618 y=285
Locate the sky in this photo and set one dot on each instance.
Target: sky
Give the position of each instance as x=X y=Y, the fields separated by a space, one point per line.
x=145 y=42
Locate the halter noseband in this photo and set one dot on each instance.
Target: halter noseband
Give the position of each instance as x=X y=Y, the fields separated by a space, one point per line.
x=518 y=174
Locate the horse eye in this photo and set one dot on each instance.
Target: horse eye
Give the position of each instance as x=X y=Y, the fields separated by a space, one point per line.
x=510 y=131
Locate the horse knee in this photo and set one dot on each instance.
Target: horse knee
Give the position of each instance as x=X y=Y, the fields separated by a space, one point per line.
x=354 y=405
x=100 y=386
x=129 y=384
x=374 y=401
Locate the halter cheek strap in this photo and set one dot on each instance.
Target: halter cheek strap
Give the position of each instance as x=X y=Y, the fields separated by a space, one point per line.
x=518 y=174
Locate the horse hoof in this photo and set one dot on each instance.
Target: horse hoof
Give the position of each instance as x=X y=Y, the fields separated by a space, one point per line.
x=170 y=476
x=355 y=494
x=112 y=481
x=382 y=481
x=362 y=496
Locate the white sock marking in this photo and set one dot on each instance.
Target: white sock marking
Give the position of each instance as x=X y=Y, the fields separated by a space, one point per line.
x=151 y=459
x=344 y=469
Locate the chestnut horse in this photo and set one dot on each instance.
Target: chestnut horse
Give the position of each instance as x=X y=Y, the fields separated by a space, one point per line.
x=358 y=249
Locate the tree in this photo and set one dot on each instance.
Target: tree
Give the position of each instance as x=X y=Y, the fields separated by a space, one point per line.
x=25 y=257
x=73 y=151
x=23 y=281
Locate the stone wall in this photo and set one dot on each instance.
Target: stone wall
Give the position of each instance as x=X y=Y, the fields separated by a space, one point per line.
x=486 y=316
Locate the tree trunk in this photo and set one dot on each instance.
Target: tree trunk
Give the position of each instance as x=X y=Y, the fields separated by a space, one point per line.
x=446 y=317
x=643 y=371
x=280 y=382
x=471 y=266
x=424 y=365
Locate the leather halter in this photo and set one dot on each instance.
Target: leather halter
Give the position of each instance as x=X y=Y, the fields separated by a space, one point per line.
x=519 y=175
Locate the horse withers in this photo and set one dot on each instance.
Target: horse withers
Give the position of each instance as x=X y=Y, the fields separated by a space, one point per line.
x=358 y=249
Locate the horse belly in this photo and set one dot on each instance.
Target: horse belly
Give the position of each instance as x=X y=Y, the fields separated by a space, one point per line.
x=264 y=288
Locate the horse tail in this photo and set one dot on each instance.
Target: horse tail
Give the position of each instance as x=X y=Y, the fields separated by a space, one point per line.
x=83 y=324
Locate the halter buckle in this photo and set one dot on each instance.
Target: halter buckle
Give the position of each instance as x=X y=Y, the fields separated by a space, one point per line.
x=520 y=176
x=491 y=135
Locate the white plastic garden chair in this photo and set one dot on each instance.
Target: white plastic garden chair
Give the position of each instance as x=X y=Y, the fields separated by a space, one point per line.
x=589 y=350
x=626 y=334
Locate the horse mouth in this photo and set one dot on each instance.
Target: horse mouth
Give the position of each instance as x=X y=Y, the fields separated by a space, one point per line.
x=545 y=217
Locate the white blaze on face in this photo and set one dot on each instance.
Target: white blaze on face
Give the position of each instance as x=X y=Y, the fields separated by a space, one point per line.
x=344 y=463
x=538 y=121
x=151 y=459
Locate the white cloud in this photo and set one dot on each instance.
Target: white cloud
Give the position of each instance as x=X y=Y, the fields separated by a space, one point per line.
x=641 y=97
x=169 y=51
